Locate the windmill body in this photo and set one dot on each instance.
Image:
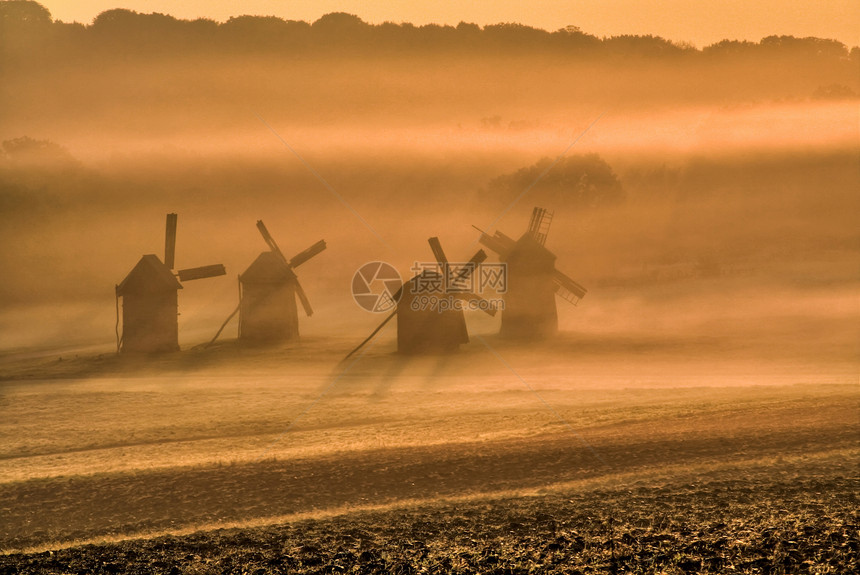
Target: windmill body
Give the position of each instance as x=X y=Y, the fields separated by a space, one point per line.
x=268 y=310
x=149 y=293
x=150 y=307
x=424 y=328
x=267 y=294
x=427 y=330
x=530 y=310
x=532 y=280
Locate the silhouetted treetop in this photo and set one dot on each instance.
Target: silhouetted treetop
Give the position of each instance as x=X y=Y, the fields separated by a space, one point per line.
x=25 y=28
x=342 y=22
x=122 y=21
x=262 y=32
x=810 y=45
x=649 y=45
x=23 y=13
x=26 y=24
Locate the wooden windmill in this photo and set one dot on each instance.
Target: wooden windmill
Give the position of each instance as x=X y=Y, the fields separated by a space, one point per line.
x=268 y=291
x=423 y=327
x=532 y=280
x=150 y=298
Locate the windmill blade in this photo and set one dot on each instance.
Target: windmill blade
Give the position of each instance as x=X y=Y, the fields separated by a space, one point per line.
x=306 y=304
x=270 y=241
x=534 y=222
x=479 y=257
x=545 y=223
x=487 y=308
x=568 y=289
x=304 y=256
x=499 y=242
x=466 y=270
x=170 y=241
x=438 y=253
x=201 y=272
x=507 y=241
x=464 y=274
x=473 y=263
x=539 y=224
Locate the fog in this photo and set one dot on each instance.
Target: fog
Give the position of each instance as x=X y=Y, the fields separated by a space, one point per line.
x=727 y=207
x=707 y=199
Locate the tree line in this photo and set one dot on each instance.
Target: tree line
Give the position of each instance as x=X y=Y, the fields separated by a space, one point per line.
x=30 y=33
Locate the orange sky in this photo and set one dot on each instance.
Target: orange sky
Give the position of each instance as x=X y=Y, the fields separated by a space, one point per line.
x=700 y=21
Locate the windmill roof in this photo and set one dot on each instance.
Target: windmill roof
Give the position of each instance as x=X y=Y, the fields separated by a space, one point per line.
x=267 y=268
x=530 y=248
x=150 y=274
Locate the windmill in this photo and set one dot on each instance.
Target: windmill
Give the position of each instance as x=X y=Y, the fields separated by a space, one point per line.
x=150 y=298
x=423 y=327
x=268 y=291
x=532 y=280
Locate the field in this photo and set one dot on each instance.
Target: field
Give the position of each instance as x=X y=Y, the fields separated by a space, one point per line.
x=711 y=525
x=230 y=459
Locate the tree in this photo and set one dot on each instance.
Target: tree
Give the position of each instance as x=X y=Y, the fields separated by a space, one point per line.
x=23 y=13
x=643 y=46
x=25 y=29
x=581 y=181
x=126 y=31
x=264 y=32
x=340 y=25
x=27 y=150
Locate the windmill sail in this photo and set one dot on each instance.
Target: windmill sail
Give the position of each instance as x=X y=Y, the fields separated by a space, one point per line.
x=303 y=298
x=201 y=272
x=464 y=292
x=298 y=260
x=304 y=256
x=438 y=253
x=170 y=241
x=270 y=241
x=539 y=224
x=466 y=270
x=568 y=289
x=498 y=242
x=462 y=275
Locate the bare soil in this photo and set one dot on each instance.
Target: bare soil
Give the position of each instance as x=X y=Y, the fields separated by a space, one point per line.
x=788 y=521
